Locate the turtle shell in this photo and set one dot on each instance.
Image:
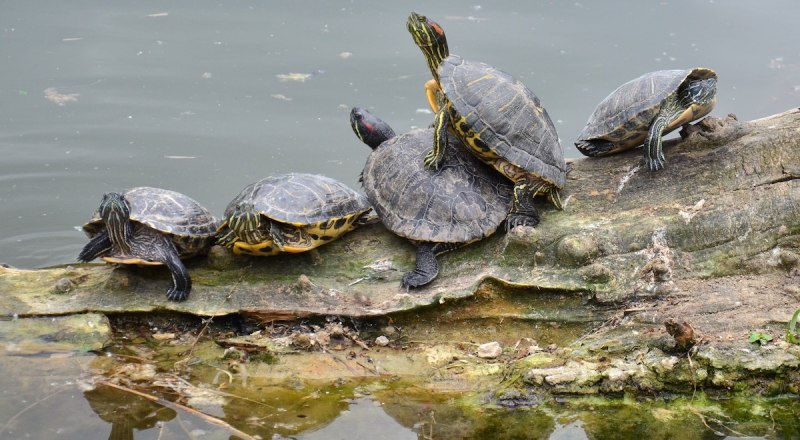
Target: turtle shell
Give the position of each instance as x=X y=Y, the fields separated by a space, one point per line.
x=506 y=117
x=625 y=115
x=461 y=202
x=191 y=225
x=301 y=199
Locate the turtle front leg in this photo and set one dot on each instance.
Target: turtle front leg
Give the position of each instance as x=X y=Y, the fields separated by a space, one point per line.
x=181 y=283
x=276 y=235
x=425 y=270
x=99 y=245
x=435 y=157
x=226 y=236
x=652 y=151
x=523 y=212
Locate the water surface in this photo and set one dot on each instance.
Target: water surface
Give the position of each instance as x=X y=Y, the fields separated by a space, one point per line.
x=197 y=96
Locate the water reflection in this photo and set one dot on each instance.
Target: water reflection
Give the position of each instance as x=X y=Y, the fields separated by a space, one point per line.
x=126 y=413
x=364 y=419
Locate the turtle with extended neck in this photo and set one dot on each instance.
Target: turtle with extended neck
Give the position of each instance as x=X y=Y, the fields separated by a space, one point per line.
x=499 y=119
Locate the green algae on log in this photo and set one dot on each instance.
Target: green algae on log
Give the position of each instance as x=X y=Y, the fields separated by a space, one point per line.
x=728 y=203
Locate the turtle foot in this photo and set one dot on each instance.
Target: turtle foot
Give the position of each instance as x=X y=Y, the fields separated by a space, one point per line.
x=433 y=160
x=517 y=219
x=655 y=164
x=415 y=279
x=177 y=295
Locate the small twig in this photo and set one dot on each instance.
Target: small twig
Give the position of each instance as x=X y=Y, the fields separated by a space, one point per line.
x=691 y=368
x=703 y=419
x=229 y=295
x=221 y=393
x=189 y=352
x=178 y=407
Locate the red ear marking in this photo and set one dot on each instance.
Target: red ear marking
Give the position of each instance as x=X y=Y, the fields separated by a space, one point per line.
x=436 y=27
x=368 y=126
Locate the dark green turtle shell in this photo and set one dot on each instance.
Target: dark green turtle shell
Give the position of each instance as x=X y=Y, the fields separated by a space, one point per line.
x=461 y=202
x=625 y=115
x=191 y=226
x=506 y=115
x=301 y=199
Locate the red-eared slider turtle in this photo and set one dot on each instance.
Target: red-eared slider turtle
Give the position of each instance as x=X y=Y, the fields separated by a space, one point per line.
x=290 y=213
x=497 y=117
x=646 y=108
x=150 y=226
x=460 y=202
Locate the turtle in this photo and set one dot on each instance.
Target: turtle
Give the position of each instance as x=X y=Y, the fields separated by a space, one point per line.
x=150 y=226
x=461 y=202
x=291 y=213
x=644 y=109
x=497 y=117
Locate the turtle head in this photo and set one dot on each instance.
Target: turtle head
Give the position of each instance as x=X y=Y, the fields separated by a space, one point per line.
x=699 y=91
x=430 y=38
x=116 y=212
x=369 y=128
x=247 y=223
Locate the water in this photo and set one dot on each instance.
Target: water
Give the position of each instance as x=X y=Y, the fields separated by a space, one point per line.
x=197 y=97
x=187 y=95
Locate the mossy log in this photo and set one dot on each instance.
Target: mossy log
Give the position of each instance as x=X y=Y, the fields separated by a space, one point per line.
x=728 y=203
x=711 y=241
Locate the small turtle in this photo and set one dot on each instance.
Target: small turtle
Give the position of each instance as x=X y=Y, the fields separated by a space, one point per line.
x=645 y=109
x=439 y=210
x=150 y=226
x=496 y=116
x=291 y=213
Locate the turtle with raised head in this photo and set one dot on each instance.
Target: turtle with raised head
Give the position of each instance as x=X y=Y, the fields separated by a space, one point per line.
x=150 y=226
x=439 y=210
x=291 y=213
x=497 y=117
x=644 y=109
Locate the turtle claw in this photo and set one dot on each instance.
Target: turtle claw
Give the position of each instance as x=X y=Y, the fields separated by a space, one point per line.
x=415 y=279
x=433 y=160
x=655 y=164
x=174 y=294
x=515 y=219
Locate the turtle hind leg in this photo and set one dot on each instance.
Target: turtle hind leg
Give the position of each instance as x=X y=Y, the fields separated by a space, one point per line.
x=155 y=246
x=181 y=282
x=98 y=246
x=426 y=268
x=652 y=151
x=595 y=147
x=523 y=212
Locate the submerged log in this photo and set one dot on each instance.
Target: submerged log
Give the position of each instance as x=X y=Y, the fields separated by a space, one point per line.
x=712 y=241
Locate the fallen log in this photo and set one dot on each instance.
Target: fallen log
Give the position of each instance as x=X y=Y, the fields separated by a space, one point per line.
x=727 y=204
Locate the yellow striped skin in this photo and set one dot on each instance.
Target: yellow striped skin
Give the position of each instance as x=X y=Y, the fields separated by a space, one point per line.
x=297 y=237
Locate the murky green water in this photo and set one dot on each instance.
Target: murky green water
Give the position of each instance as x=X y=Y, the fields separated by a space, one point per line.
x=198 y=97
x=48 y=398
